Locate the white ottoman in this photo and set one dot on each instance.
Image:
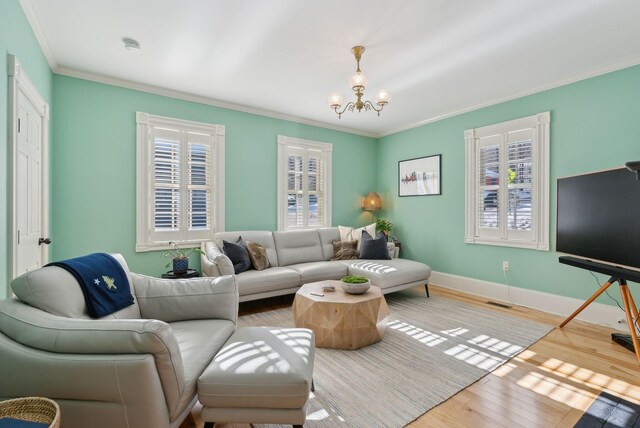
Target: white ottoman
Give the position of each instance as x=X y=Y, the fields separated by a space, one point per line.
x=261 y=375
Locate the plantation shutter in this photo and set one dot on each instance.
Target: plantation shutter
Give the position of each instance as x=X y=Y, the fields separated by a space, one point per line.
x=507 y=183
x=166 y=181
x=315 y=177
x=182 y=185
x=505 y=186
x=200 y=183
x=305 y=184
x=488 y=219
x=295 y=193
x=519 y=165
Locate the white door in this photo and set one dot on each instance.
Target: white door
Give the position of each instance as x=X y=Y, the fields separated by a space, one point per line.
x=27 y=186
x=29 y=130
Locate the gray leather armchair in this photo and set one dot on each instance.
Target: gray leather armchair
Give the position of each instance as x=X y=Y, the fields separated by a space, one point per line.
x=136 y=368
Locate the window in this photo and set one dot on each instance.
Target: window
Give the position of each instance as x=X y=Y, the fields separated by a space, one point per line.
x=304 y=184
x=507 y=183
x=180 y=181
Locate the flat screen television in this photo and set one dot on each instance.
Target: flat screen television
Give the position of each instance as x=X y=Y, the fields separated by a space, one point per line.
x=598 y=217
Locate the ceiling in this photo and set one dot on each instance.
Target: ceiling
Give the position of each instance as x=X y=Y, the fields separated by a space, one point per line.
x=283 y=57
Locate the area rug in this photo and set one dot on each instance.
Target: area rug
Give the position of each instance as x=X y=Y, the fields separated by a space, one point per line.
x=432 y=349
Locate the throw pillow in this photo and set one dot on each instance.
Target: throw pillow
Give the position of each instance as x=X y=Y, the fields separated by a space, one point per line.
x=258 y=256
x=374 y=248
x=345 y=250
x=238 y=255
x=351 y=234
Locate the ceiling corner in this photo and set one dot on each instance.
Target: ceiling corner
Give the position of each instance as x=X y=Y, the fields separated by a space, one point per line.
x=32 y=16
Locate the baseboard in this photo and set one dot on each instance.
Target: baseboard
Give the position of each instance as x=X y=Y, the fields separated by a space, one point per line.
x=596 y=313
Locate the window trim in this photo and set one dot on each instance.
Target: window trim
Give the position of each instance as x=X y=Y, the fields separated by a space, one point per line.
x=540 y=184
x=144 y=124
x=327 y=149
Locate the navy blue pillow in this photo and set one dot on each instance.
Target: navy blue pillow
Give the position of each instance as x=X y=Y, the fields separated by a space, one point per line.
x=374 y=248
x=238 y=254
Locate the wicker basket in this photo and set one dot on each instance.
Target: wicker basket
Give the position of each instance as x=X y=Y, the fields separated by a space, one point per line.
x=32 y=409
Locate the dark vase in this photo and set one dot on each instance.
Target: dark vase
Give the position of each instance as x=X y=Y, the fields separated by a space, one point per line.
x=180 y=265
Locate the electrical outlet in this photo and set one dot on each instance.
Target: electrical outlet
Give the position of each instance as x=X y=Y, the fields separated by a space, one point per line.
x=505 y=266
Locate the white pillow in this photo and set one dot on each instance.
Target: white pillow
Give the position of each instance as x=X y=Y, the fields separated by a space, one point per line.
x=351 y=234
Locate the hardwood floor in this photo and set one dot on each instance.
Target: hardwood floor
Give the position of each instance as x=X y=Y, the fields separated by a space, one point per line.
x=550 y=384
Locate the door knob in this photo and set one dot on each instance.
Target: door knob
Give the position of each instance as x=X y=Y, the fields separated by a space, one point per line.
x=44 y=241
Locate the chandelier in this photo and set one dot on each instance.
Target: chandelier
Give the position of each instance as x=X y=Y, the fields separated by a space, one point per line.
x=358 y=81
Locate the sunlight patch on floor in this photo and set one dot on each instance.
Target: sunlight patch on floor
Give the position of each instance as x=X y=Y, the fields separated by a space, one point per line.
x=504 y=370
x=475 y=357
x=591 y=379
x=455 y=331
x=557 y=390
x=318 y=415
x=495 y=345
x=428 y=338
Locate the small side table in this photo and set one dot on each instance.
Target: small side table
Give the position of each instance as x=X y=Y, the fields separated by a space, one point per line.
x=190 y=273
x=398 y=245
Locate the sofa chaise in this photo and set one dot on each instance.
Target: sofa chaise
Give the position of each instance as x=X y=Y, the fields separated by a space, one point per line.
x=302 y=256
x=136 y=368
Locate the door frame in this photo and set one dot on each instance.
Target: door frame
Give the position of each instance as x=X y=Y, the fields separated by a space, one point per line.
x=20 y=84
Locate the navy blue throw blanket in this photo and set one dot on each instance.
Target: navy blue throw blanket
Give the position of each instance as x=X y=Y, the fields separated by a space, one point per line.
x=103 y=282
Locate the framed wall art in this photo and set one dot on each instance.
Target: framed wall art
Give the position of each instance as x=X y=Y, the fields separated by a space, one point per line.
x=420 y=176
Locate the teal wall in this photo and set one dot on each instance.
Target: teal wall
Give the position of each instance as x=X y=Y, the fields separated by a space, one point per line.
x=93 y=201
x=16 y=38
x=595 y=124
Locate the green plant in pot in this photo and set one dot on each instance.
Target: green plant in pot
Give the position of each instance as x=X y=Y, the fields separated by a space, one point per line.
x=384 y=226
x=180 y=257
x=355 y=284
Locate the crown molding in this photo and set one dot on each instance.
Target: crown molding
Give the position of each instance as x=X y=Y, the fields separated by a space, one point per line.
x=32 y=16
x=171 y=93
x=582 y=76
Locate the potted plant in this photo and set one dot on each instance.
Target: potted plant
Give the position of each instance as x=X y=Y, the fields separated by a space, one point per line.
x=355 y=284
x=384 y=226
x=180 y=257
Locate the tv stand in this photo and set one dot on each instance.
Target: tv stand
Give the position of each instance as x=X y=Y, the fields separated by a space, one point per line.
x=619 y=275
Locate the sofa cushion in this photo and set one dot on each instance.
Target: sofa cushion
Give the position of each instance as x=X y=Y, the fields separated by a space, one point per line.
x=238 y=254
x=260 y=281
x=389 y=273
x=351 y=234
x=258 y=256
x=260 y=367
x=172 y=300
x=327 y=236
x=345 y=250
x=319 y=271
x=199 y=341
x=374 y=248
x=298 y=246
x=262 y=237
x=55 y=290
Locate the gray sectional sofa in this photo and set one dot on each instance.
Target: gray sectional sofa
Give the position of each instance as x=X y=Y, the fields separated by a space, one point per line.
x=303 y=256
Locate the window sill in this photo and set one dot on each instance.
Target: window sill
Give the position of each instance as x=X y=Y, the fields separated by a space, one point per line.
x=507 y=243
x=156 y=246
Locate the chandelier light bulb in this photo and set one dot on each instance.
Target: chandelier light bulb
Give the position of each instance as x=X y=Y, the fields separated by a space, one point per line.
x=358 y=79
x=382 y=97
x=335 y=100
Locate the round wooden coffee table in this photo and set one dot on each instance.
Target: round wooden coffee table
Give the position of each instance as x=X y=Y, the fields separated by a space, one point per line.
x=340 y=320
